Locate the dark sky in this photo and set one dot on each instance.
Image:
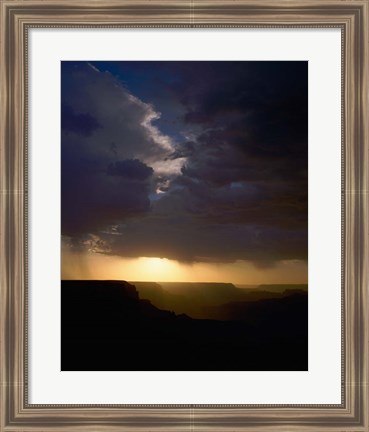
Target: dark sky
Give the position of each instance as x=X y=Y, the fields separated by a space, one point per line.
x=192 y=161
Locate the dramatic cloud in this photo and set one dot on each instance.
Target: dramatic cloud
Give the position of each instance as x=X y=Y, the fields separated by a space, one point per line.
x=226 y=181
x=131 y=169
x=83 y=124
x=109 y=149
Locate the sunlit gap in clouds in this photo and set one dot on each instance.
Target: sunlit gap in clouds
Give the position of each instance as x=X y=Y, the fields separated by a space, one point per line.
x=82 y=265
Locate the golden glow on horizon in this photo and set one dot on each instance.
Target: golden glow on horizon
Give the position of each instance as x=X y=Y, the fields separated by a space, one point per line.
x=156 y=268
x=153 y=269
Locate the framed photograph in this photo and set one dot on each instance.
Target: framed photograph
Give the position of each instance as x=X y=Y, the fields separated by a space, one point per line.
x=184 y=215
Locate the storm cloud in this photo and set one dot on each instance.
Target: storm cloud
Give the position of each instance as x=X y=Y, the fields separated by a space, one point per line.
x=194 y=161
x=108 y=145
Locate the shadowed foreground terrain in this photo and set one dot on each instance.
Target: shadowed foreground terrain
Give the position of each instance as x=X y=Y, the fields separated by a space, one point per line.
x=106 y=325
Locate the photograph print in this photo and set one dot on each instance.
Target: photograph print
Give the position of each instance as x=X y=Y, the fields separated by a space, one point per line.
x=184 y=215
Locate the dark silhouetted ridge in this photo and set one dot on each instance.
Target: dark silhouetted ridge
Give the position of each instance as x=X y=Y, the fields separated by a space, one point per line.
x=207 y=300
x=107 y=326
